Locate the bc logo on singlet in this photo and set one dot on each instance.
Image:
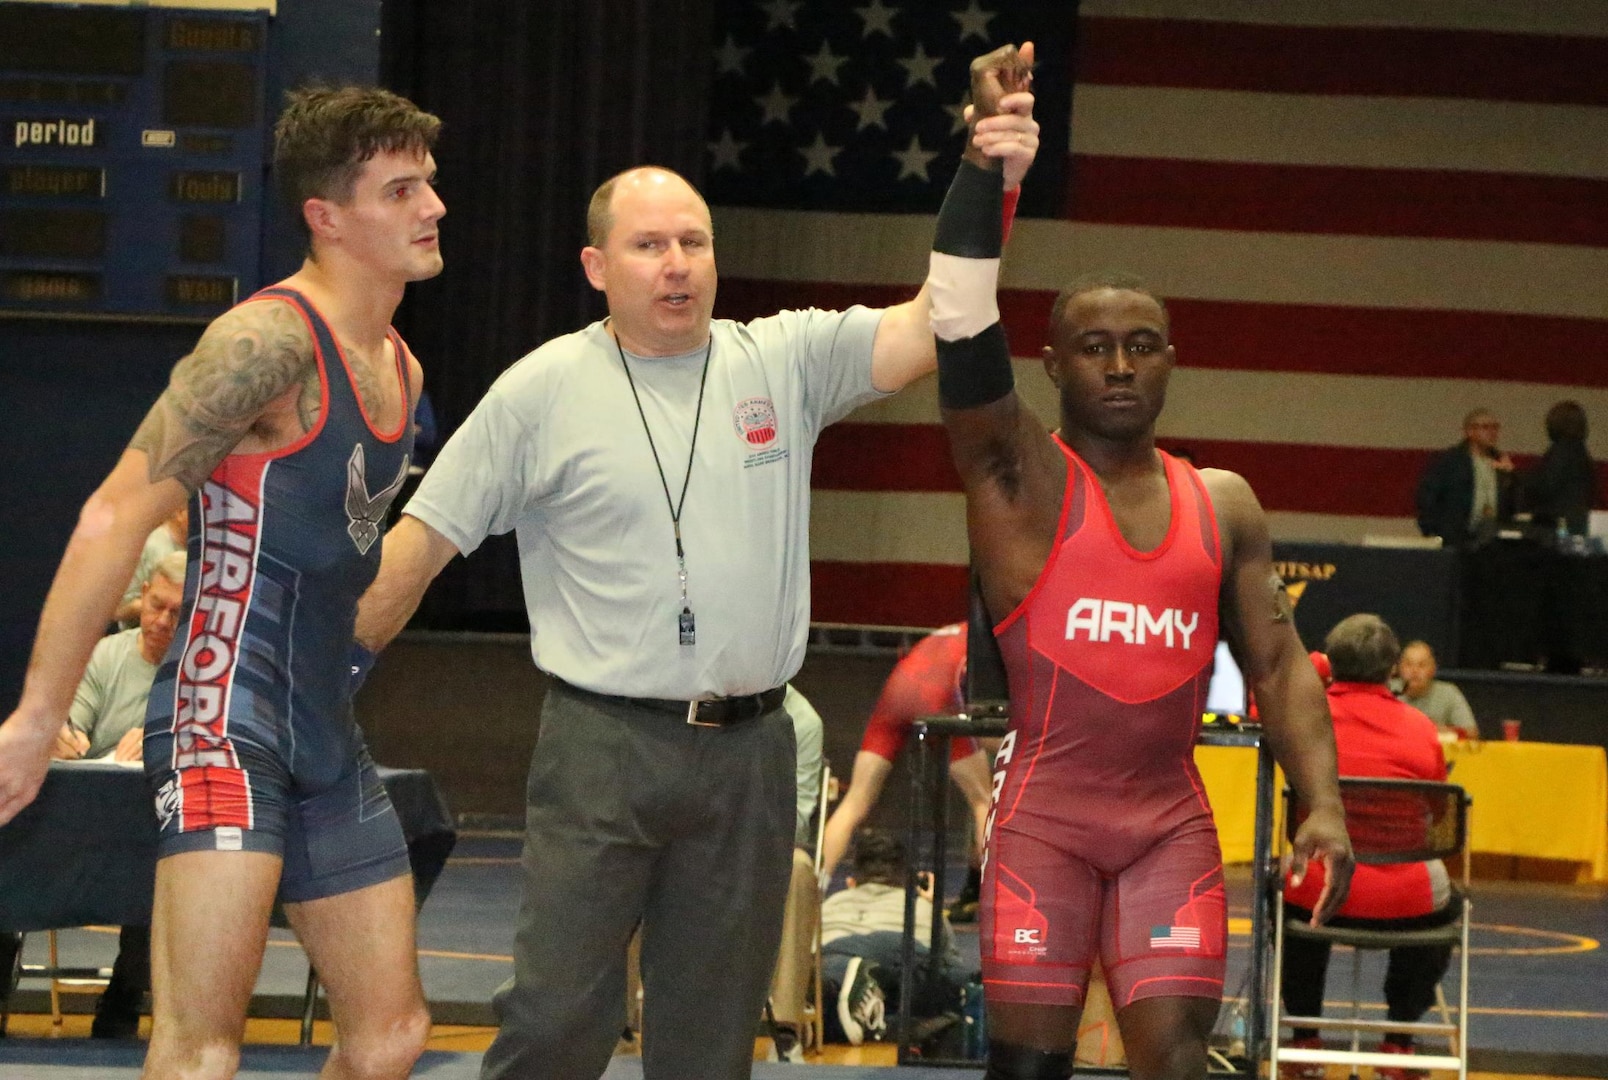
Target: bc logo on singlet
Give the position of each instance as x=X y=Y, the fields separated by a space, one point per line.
x=1133 y=624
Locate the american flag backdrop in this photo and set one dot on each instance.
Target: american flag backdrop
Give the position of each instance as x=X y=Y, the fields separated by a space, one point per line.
x=1367 y=217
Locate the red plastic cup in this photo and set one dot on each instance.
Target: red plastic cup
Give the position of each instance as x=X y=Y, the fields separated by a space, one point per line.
x=1510 y=730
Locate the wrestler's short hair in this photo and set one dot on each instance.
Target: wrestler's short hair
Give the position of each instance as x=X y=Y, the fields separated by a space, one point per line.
x=879 y=858
x=1108 y=279
x=1362 y=648
x=327 y=134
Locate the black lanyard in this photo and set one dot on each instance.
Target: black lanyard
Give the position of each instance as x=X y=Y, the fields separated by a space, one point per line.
x=686 y=625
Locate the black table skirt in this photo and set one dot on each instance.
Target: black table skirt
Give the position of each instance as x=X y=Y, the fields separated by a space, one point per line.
x=84 y=852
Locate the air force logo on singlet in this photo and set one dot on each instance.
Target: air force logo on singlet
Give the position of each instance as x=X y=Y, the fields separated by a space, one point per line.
x=366 y=513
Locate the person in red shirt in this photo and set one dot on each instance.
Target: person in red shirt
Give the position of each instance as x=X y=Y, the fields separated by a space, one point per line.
x=1375 y=736
x=929 y=681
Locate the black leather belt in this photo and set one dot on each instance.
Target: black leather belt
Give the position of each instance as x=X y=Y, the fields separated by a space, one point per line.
x=714 y=712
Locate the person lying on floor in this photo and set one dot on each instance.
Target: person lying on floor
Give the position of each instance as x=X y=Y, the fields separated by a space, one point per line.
x=861 y=930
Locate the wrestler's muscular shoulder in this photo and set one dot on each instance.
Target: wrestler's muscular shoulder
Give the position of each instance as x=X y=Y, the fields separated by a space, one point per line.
x=1241 y=524
x=250 y=385
x=1013 y=513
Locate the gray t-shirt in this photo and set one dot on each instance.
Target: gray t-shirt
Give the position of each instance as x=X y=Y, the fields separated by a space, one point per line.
x=874 y=908
x=1445 y=704
x=110 y=700
x=556 y=452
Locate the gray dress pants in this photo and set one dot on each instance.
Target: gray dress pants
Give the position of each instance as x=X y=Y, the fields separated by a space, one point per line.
x=635 y=815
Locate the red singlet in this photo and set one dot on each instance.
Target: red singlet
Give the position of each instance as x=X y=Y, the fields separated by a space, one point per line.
x=925 y=682
x=1101 y=837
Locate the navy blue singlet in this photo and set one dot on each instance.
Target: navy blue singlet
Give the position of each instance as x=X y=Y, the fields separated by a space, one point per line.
x=250 y=715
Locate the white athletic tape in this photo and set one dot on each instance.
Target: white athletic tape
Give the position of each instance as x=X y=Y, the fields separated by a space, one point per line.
x=963 y=291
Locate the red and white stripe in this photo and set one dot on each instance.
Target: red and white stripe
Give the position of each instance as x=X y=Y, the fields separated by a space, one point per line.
x=214 y=790
x=1367 y=219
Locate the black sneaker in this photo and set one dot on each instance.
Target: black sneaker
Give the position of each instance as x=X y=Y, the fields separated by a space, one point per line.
x=860 y=1005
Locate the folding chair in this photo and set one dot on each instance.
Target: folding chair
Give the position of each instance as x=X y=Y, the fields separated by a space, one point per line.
x=63 y=980
x=1390 y=821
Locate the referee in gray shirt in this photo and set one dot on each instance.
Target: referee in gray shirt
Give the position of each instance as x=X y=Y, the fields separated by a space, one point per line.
x=655 y=470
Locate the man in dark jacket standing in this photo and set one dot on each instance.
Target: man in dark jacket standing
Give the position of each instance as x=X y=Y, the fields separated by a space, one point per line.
x=1467 y=489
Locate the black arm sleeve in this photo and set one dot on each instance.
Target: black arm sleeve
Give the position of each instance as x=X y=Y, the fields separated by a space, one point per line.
x=973 y=371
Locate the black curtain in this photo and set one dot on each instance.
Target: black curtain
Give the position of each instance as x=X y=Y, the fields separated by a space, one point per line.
x=540 y=103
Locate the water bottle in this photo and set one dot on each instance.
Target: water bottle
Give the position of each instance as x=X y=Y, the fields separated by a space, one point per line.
x=975 y=1040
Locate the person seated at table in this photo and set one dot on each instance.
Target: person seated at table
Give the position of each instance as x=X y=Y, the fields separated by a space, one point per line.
x=1561 y=489
x=1375 y=736
x=929 y=681
x=1466 y=490
x=862 y=930
x=1441 y=701
x=107 y=717
x=107 y=720
x=163 y=541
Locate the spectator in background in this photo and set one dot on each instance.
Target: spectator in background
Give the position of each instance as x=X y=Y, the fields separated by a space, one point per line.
x=165 y=539
x=789 y=989
x=1376 y=736
x=107 y=717
x=928 y=681
x=1440 y=701
x=1467 y=489
x=862 y=928
x=809 y=733
x=1562 y=488
x=108 y=720
x=1320 y=664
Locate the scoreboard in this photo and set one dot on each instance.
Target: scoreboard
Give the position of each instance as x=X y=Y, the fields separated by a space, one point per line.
x=131 y=159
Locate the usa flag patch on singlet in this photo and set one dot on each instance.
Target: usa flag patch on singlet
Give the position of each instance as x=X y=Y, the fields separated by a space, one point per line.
x=1175 y=937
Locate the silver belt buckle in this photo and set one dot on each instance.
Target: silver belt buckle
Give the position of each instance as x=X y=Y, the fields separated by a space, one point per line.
x=692 y=716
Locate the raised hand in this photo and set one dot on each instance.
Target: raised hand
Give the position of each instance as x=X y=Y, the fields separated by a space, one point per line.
x=1001 y=114
x=1006 y=70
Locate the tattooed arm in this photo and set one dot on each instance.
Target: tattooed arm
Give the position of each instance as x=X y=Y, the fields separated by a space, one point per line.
x=246 y=380
x=1258 y=621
